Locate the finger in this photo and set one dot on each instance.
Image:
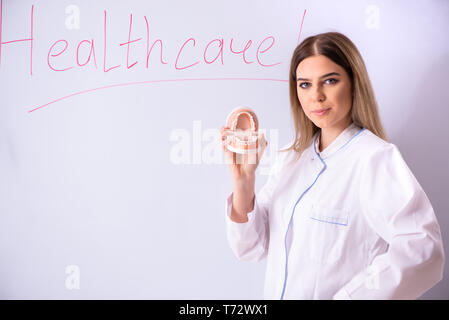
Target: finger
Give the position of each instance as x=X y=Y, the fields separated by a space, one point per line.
x=224 y=140
x=222 y=133
x=263 y=143
x=252 y=158
x=261 y=146
x=240 y=158
x=224 y=130
x=229 y=157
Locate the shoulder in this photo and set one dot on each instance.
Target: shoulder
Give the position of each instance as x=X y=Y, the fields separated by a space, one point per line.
x=384 y=174
x=374 y=152
x=369 y=145
x=369 y=142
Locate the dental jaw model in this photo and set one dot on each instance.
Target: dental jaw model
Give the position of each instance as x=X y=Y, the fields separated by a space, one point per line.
x=242 y=135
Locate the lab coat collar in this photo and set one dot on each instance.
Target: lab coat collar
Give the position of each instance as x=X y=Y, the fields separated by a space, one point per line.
x=343 y=138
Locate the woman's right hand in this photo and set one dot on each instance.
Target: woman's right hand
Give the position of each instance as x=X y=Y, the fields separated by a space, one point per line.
x=242 y=166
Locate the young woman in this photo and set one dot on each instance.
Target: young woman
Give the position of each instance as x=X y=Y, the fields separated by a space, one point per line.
x=341 y=215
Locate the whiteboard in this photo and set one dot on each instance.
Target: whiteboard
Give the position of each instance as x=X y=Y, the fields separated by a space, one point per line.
x=113 y=183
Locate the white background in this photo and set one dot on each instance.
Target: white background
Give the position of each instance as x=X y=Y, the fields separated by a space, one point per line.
x=92 y=180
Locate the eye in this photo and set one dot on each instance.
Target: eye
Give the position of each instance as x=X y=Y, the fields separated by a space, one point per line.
x=331 y=81
x=303 y=85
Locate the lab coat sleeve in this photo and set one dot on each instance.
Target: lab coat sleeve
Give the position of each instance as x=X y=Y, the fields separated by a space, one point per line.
x=398 y=210
x=249 y=240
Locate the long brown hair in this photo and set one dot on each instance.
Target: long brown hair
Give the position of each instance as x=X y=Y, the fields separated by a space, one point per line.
x=342 y=51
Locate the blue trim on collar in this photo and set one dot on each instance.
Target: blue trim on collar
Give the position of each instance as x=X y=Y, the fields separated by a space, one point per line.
x=316 y=137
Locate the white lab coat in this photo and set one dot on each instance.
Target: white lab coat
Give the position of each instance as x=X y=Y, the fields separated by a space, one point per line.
x=350 y=222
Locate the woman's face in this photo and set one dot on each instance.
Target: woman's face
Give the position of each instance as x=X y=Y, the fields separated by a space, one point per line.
x=324 y=91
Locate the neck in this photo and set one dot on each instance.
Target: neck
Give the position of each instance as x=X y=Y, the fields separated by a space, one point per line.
x=328 y=135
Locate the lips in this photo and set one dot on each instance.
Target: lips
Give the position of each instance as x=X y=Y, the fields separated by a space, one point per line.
x=321 y=112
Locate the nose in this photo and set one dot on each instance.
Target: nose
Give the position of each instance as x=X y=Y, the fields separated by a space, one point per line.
x=318 y=95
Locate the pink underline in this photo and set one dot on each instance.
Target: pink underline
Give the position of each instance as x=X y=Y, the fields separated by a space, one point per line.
x=146 y=82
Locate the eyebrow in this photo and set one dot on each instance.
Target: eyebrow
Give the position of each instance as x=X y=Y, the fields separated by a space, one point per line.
x=323 y=76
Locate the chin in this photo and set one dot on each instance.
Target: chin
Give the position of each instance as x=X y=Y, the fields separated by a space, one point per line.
x=322 y=124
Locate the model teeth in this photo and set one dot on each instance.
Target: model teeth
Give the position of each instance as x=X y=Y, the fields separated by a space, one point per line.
x=247 y=139
x=245 y=142
x=242 y=140
x=234 y=123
